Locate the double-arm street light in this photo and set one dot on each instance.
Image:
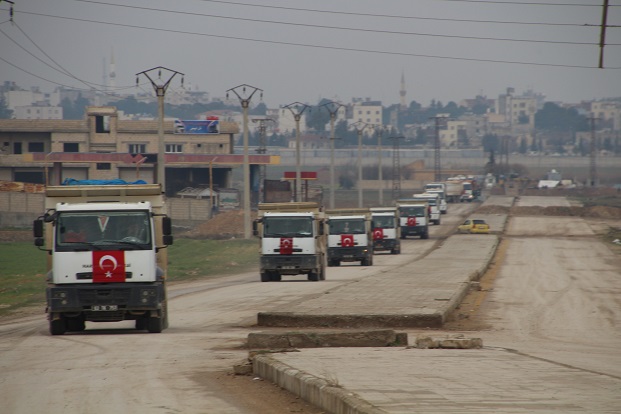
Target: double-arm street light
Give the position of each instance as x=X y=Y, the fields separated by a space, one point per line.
x=297 y=109
x=359 y=127
x=160 y=86
x=245 y=93
x=333 y=108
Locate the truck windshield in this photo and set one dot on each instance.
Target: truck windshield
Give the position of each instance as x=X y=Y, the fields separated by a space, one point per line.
x=287 y=227
x=418 y=211
x=384 y=222
x=347 y=226
x=103 y=228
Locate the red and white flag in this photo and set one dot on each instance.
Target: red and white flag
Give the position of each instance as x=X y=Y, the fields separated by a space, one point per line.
x=347 y=240
x=286 y=245
x=108 y=266
x=411 y=221
x=378 y=234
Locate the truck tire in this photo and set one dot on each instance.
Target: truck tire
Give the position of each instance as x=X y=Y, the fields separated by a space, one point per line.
x=322 y=273
x=313 y=276
x=276 y=277
x=76 y=324
x=155 y=324
x=58 y=326
x=265 y=277
x=141 y=323
x=425 y=235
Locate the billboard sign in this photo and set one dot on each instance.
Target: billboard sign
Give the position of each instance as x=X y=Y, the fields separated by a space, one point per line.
x=198 y=126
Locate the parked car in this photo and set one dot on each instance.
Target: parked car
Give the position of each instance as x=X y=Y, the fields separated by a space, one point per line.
x=474 y=226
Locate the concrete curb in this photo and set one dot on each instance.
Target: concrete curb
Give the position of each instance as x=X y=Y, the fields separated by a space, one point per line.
x=317 y=391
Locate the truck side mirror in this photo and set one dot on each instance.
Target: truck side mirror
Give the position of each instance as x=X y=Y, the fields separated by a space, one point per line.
x=37 y=228
x=167 y=239
x=255 y=228
x=166 y=226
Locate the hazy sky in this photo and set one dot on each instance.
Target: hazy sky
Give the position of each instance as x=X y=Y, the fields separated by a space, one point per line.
x=307 y=50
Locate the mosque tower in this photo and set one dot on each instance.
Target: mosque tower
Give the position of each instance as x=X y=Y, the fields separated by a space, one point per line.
x=402 y=92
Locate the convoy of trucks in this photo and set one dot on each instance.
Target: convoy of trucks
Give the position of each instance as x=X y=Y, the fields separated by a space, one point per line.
x=107 y=257
x=293 y=241
x=386 y=229
x=106 y=245
x=349 y=236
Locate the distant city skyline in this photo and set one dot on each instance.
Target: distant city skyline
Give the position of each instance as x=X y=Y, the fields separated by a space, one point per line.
x=446 y=50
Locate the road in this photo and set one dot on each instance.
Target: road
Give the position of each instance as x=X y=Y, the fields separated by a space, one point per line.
x=556 y=297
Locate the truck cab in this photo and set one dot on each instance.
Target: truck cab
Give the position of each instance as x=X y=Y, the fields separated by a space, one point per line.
x=107 y=258
x=433 y=200
x=386 y=230
x=413 y=218
x=292 y=241
x=349 y=237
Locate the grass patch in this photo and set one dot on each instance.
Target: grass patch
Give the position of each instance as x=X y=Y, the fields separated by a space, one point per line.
x=23 y=266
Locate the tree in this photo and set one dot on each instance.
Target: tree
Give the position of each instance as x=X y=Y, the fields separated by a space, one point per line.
x=490 y=143
x=552 y=117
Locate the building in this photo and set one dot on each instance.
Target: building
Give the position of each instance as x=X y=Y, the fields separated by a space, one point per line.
x=369 y=112
x=103 y=147
x=607 y=112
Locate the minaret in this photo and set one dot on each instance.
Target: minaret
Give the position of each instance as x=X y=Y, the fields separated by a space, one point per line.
x=112 y=74
x=105 y=75
x=402 y=91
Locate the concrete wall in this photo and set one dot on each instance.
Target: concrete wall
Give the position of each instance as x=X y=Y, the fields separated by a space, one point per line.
x=19 y=209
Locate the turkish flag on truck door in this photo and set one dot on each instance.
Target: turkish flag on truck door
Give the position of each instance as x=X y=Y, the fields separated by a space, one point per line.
x=347 y=240
x=411 y=221
x=108 y=266
x=286 y=245
x=378 y=234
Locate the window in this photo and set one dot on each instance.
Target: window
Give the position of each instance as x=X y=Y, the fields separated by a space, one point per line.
x=174 y=148
x=36 y=147
x=71 y=147
x=137 y=148
x=102 y=124
x=104 y=166
x=17 y=148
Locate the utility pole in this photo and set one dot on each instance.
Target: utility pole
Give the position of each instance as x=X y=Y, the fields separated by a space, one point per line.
x=437 y=165
x=244 y=93
x=297 y=109
x=593 y=167
x=262 y=150
x=359 y=127
x=333 y=108
x=380 y=173
x=396 y=168
x=160 y=86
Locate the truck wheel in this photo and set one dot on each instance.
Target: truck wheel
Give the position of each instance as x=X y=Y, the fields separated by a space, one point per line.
x=425 y=235
x=155 y=324
x=322 y=273
x=395 y=251
x=76 y=324
x=313 y=276
x=265 y=277
x=58 y=326
x=276 y=277
x=141 y=323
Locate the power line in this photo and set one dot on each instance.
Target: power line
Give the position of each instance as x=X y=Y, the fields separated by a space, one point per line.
x=354 y=29
x=323 y=46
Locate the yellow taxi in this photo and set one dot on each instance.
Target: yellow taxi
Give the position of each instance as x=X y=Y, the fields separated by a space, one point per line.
x=474 y=226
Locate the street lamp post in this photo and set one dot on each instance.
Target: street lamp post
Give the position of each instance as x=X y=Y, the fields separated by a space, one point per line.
x=245 y=93
x=333 y=108
x=359 y=127
x=160 y=86
x=297 y=109
x=380 y=173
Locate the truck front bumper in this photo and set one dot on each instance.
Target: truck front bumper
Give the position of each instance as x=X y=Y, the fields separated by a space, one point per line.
x=349 y=254
x=290 y=264
x=385 y=244
x=111 y=297
x=414 y=231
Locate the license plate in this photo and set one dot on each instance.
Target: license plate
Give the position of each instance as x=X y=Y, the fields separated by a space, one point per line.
x=104 y=307
x=288 y=267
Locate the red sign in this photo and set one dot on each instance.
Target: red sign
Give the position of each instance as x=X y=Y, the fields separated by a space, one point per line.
x=108 y=266
x=347 y=240
x=304 y=175
x=286 y=245
x=411 y=221
x=378 y=234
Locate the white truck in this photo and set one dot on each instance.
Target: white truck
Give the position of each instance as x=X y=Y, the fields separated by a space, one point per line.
x=349 y=236
x=107 y=257
x=434 y=205
x=386 y=230
x=442 y=194
x=413 y=218
x=293 y=241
